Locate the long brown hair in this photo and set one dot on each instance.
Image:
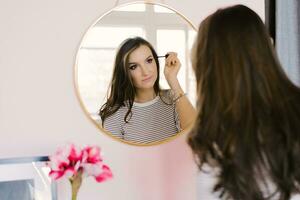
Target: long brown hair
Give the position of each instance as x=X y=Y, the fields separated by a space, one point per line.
x=122 y=90
x=248 y=121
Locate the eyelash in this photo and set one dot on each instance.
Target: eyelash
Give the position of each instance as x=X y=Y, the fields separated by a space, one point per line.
x=133 y=67
x=150 y=60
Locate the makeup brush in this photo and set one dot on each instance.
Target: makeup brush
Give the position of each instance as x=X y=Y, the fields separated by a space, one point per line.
x=165 y=56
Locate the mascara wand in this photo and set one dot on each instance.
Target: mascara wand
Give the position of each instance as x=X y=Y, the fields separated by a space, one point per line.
x=165 y=56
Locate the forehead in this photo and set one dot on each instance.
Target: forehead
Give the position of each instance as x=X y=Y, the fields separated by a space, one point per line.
x=140 y=54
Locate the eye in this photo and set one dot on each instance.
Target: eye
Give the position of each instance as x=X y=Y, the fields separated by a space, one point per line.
x=132 y=67
x=149 y=60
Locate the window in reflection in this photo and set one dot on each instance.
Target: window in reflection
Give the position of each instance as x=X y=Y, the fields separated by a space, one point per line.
x=184 y=40
x=99 y=37
x=178 y=36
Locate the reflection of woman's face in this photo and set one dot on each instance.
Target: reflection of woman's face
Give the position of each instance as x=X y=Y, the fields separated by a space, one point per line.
x=142 y=68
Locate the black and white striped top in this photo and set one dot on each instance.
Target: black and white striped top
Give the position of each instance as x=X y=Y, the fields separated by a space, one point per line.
x=151 y=121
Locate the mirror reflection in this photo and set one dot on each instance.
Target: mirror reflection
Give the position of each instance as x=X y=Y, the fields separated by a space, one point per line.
x=133 y=74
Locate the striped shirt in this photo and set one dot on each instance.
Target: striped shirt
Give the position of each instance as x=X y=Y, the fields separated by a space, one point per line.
x=151 y=121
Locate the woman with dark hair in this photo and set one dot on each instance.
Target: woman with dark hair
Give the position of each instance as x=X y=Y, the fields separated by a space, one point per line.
x=248 y=121
x=137 y=110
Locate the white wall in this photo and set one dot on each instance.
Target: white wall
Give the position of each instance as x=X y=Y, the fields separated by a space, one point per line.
x=39 y=109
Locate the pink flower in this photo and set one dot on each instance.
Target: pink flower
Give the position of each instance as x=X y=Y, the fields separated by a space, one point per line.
x=70 y=160
x=93 y=166
x=92 y=154
x=74 y=163
x=65 y=162
x=105 y=175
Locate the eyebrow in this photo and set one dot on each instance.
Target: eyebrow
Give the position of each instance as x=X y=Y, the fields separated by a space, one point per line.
x=145 y=59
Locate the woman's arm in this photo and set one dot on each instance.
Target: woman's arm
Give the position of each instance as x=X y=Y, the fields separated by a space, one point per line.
x=184 y=108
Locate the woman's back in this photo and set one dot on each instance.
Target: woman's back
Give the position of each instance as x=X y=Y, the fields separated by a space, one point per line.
x=206 y=182
x=248 y=123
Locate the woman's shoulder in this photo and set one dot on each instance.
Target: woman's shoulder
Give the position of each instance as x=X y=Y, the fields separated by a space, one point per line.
x=119 y=111
x=112 y=123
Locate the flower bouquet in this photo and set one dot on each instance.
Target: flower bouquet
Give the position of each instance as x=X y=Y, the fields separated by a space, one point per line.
x=74 y=163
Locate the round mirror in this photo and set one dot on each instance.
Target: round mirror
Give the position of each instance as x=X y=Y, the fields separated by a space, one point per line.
x=130 y=31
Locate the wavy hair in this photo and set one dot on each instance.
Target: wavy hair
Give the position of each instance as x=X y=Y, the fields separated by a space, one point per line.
x=248 y=121
x=122 y=90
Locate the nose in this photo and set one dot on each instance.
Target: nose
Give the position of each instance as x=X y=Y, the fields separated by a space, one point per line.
x=145 y=70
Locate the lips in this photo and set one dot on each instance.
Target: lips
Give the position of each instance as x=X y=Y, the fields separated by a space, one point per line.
x=147 y=79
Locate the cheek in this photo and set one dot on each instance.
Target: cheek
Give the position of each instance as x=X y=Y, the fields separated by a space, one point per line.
x=156 y=72
x=134 y=76
x=154 y=68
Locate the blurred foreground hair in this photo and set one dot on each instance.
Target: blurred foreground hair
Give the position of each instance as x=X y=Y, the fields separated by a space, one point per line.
x=248 y=122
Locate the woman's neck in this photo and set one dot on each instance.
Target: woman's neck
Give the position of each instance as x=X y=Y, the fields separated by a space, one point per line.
x=144 y=95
